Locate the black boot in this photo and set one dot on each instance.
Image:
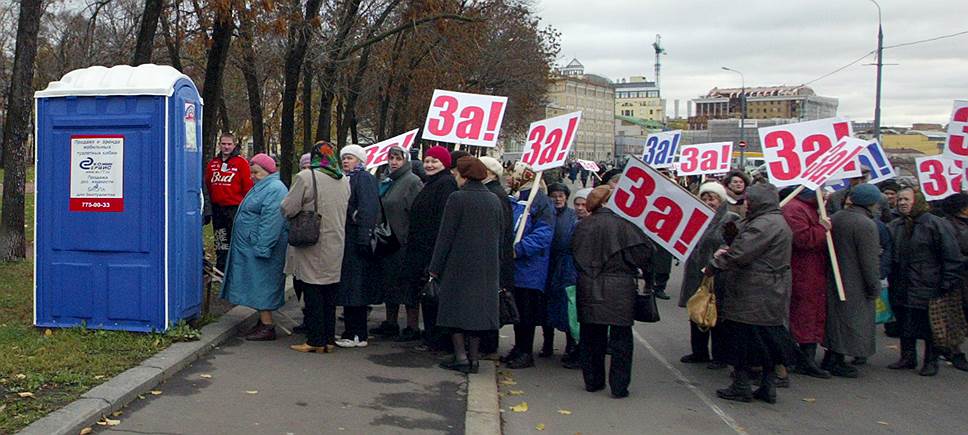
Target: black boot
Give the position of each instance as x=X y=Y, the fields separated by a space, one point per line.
x=839 y=367
x=513 y=354
x=739 y=390
x=908 y=358
x=930 y=366
x=808 y=362
x=767 y=390
x=959 y=361
x=522 y=361
x=827 y=362
x=548 y=347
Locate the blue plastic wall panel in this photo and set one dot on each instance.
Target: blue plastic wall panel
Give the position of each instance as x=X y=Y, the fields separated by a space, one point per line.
x=184 y=203
x=102 y=269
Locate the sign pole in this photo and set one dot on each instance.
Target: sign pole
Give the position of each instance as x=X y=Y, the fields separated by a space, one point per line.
x=794 y=195
x=535 y=185
x=830 y=248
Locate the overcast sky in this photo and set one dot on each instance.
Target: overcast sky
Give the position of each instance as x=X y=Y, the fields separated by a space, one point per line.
x=776 y=42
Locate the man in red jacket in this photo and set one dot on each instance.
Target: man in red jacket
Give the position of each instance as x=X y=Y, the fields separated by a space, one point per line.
x=228 y=179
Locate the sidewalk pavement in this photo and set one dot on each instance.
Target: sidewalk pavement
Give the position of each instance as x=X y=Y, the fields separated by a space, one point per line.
x=264 y=387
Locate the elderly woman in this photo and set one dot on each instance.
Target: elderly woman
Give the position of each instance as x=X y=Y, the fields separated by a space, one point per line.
x=955 y=208
x=253 y=274
x=608 y=252
x=316 y=269
x=398 y=190
x=927 y=264
x=756 y=297
x=560 y=275
x=714 y=195
x=357 y=291
x=581 y=196
x=466 y=260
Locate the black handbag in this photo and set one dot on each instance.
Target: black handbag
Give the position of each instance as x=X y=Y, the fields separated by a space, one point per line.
x=383 y=242
x=430 y=293
x=304 y=226
x=646 y=310
x=508 y=308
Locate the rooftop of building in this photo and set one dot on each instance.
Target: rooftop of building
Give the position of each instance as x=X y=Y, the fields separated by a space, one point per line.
x=761 y=91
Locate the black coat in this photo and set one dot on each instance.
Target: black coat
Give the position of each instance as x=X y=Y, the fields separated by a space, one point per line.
x=507 y=234
x=927 y=261
x=608 y=252
x=362 y=213
x=425 y=215
x=960 y=226
x=466 y=259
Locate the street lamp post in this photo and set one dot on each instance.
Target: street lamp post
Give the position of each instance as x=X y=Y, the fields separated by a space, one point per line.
x=742 y=121
x=880 y=64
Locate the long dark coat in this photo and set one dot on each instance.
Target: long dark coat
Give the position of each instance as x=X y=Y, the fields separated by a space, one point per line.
x=561 y=273
x=927 y=261
x=757 y=263
x=398 y=191
x=710 y=241
x=850 y=324
x=466 y=259
x=608 y=252
x=357 y=286
x=507 y=235
x=425 y=216
x=809 y=265
x=960 y=227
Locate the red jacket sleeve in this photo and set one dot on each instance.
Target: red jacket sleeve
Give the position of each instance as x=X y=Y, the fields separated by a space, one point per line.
x=808 y=234
x=246 y=177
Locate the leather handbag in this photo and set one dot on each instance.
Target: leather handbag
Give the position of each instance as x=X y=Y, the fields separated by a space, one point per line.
x=383 y=242
x=304 y=226
x=702 y=305
x=646 y=309
x=508 y=308
x=430 y=293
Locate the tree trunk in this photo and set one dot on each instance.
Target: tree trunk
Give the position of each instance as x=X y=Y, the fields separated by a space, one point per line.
x=307 y=104
x=172 y=41
x=146 y=35
x=214 y=70
x=15 y=131
x=223 y=115
x=328 y=76
x=253 y=88
x=299 y=34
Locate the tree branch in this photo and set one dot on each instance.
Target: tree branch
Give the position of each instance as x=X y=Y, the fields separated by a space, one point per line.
x=412 y=24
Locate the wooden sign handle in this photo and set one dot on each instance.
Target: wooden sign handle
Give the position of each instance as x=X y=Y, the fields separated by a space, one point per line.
x=830 y=248
x=535 y=185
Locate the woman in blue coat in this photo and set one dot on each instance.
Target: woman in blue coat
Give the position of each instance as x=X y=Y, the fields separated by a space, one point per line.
x=561 y=274
x=257 y=253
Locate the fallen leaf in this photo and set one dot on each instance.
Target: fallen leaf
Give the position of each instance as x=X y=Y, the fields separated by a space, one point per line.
x=892 y=346
x=205 y=376
x=809 y=399
x=108 y=422
x=515 y=393
x=2 y=407
x=117 y=413
x=25 y=394
x=508 y=382
x=155 y=392
x=539 y=426
x=141 y=397
x=48 y=333
x=21 y=376
x=884 y=423
x=98 y=377
x=252 y=392
x=521 y=407
x=86 y=431
x=564 y=412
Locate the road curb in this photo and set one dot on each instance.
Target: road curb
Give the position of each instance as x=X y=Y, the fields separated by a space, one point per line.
x=483 y=415
x=125 y=387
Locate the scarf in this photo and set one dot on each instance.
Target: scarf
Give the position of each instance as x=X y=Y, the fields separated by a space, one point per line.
x=324 y=158
x=919 y=208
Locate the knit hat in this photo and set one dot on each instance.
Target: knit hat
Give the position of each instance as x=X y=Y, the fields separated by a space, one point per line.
x=716 y=188
x=865 y=195
x=304 y=160
x=891 y=185
x=353 y=150
x=954 y=204
x=609 y=174
x=598 y=197
x=455 y=156
x=399 y=150
x=264 y=161
x=439 y=153
x=471 y=168
x=492 y=165
x=583 y=193
x=559 y=187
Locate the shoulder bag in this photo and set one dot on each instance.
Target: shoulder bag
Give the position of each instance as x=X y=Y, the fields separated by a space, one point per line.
x=646 y=310
x=430 y=293
x=508 y=308
x=304 y=226
x=702 y=305
x=383 y=242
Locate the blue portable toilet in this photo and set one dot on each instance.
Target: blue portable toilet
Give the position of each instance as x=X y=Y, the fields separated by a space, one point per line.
x=117 y=242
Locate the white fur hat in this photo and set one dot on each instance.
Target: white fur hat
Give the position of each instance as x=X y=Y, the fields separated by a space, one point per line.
x=353 y=150
x=718 y=189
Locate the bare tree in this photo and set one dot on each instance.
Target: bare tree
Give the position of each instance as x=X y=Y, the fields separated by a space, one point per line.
x=146 y=35
x=298 y=40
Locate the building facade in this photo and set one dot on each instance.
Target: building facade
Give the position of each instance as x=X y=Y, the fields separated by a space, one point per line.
x=785 y=102
x=639 y=98
x=572 y=90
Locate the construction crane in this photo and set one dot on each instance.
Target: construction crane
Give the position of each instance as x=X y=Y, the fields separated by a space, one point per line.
x=657 y=45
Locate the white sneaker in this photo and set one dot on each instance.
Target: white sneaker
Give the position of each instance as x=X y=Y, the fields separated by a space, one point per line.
x=355 y=342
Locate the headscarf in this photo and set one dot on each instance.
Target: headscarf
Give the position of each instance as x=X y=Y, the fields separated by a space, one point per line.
x=919 y=208
x=324 y=158
x=522 y=177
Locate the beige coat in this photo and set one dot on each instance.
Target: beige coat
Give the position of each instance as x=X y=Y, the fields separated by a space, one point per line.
x=321 y=263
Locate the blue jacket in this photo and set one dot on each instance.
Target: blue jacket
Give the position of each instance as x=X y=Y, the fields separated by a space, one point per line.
x=562 y=272
x=257 y=253
x=531 y=254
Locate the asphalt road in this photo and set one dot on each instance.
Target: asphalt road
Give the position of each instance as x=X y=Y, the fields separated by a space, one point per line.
x=671 y=397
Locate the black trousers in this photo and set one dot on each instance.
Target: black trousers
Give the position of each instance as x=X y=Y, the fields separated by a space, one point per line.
x=354 y=323
x=528 y=301
x=222 y=219
x=595 y=339
x=700 y=339
x=320 y=317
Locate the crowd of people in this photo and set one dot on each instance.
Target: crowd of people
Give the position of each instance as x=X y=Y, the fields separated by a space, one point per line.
x=459 y=241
